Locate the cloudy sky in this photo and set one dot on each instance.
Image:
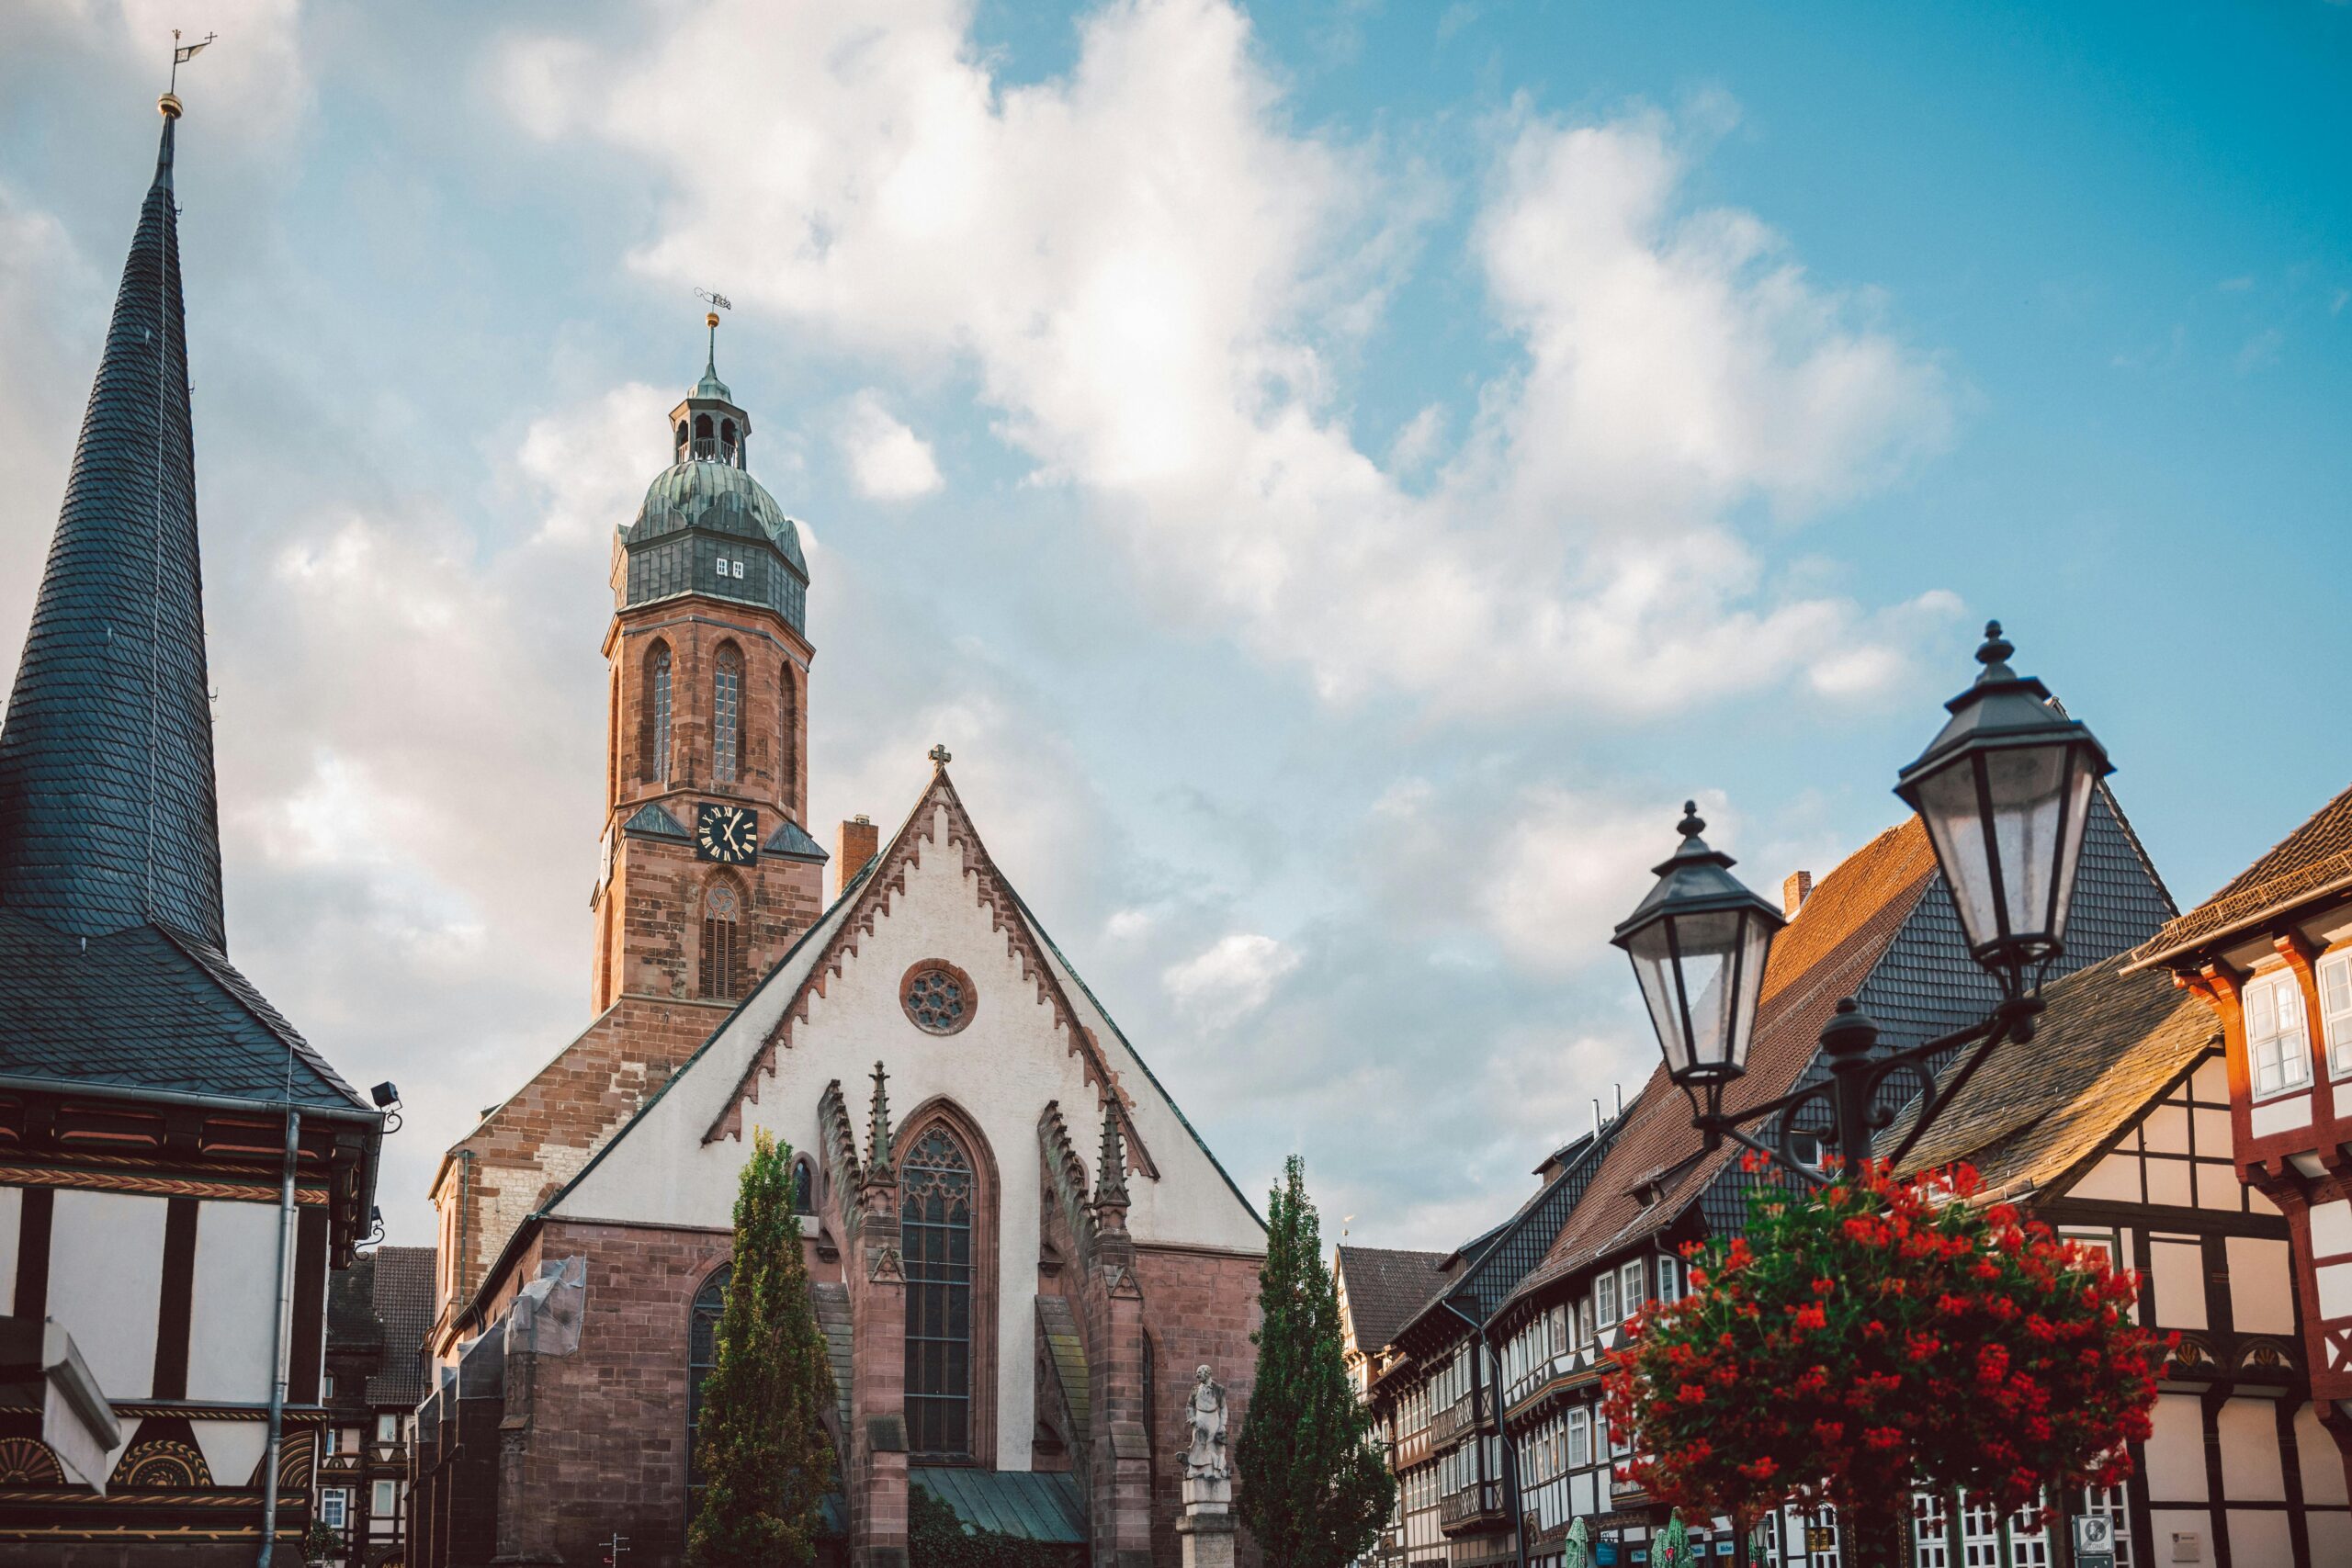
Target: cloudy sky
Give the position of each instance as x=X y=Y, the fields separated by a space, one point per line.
x=1337 y=475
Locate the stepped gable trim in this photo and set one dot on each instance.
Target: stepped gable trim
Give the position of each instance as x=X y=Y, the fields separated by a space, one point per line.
x=871 y=904
x=1067 y=1174
x=843 y=1171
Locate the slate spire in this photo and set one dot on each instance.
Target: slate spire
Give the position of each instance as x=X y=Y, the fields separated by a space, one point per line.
x=107 y=806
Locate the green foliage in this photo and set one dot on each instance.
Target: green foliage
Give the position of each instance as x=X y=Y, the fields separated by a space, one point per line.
x=1314 y=1485
x=938 y=1538
x=320 y=1542
x=766 y=1460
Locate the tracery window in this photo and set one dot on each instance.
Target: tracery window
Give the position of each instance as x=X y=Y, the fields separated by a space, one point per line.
x=935 y=1218
x=804 y=1186
x=722 y=941
x=654 y=717
x=727 y=715
x=702 y=1354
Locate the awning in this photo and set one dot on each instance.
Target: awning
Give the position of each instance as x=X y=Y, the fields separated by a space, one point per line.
x=1031 y=1505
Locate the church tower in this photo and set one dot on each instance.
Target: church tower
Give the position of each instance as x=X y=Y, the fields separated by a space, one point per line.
x=708 y=871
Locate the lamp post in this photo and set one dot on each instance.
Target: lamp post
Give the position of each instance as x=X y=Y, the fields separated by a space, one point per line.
x=2005 y=792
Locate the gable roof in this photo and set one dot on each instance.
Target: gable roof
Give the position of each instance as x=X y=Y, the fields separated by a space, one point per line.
x=402 y=1289
x=2316 y=858
x=1828 y=949
x=2111 y=1040
x=1384 y=1285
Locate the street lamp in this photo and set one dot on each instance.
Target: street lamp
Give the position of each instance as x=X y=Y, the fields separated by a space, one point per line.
x=2005 y=792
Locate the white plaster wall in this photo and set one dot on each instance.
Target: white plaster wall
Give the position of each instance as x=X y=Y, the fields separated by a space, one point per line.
x=236 y=1302
x=232 y=1449
x=2260 y=1539
x=105 y=1284
x=2251 y=1471
x=2177 y=1449
x=2321 y=1464
x=1001 y=1069
x=12 y=1212
x=2262 y=1285
x=2176 y=1270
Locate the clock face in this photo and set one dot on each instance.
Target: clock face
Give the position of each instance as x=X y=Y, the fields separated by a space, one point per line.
x=728 y=834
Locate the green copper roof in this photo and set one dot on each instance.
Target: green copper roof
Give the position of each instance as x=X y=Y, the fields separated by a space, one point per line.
x=719 y=496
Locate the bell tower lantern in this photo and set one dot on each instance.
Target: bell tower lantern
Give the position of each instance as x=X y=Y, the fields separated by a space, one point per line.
x=707 y=872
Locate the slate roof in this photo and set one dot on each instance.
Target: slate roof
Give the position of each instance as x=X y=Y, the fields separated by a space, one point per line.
x=1386 y=1285
x=151 y=1010
x=2110 y=1042
x=107 y=811
x=792 y=840
x=651 y=820
x=403 y=1288
x=2315 y=858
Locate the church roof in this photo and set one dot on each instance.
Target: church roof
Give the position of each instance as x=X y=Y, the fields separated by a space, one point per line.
x=1028 y=1505
x=107 y=810
x=700 y=494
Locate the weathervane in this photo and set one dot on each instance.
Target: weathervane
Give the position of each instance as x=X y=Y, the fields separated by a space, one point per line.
x=716 y=303
x=182 y=54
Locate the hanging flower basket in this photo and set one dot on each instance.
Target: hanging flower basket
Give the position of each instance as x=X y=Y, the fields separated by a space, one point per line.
x=1876 y=1336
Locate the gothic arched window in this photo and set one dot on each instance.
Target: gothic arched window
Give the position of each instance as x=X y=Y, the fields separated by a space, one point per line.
x=804 y=1186
x=935 y=1223
x=722 y=941
x=787 y=750
x=654 y=717
x=703 y=443
x=727 y=440
x=702 y=1354
x=727 y=715
x=683 y=452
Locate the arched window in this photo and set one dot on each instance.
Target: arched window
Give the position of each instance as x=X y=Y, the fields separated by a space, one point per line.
x=703 y=443
x=654 y=717
x=727 y=440
x=727 y=715
x=804 y=1186
x=702 y=1354
x=681 y=441
x=787 y=750
x=936 y=1224
x=722 y=941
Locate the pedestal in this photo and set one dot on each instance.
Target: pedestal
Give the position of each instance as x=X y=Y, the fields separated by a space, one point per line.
x=1208 y=1538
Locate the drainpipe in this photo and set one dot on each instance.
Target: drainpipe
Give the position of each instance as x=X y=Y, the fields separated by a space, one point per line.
x=277 y=1339
x=1503 y=1436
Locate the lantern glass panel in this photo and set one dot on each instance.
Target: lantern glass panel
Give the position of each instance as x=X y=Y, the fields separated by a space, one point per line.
x=1700 y=974
x=2017 y=886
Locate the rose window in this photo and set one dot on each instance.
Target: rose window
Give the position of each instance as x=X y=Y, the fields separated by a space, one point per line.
x=938 y=998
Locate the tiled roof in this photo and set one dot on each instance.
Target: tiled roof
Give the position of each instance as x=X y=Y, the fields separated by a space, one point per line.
x=1826 y=953
x=1384 y=1285
x=147 y=1009
x=792 y=840
x=2109 y=1043
x=650 y=820
x=107 y=809
x=403 y=1300
x=2314 y=857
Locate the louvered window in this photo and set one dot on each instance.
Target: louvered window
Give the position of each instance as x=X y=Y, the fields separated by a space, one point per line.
x=722 y=958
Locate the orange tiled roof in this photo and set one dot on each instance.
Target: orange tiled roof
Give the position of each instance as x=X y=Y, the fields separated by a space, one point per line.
x=2312 y=858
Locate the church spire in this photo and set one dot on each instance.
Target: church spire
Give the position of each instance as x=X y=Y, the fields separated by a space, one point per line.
x=107 y=806
x=1110 y=1170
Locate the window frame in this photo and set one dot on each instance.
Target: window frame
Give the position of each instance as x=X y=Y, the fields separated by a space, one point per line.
x=2277 y=988
x=2335 y=1021
x=334 y=1501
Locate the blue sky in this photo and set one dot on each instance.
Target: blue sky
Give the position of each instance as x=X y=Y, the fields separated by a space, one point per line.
x=1337 y=475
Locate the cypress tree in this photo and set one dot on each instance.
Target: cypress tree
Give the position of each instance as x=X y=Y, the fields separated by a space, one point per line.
x=764 y=1460
x=1314 y=1485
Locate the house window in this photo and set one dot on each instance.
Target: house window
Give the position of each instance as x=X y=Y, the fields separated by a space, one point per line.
x=1669 y=1278
x=702 y=1354
x=2336 y=1007
x=2276 y=1044
x=1604 y=1300
x=334 y=1508
x=387 y=1428
x=1930 y=1530
x=935 y=1221
x=1629 y=1287
x=727 y=715
x=326 y=1386
x=386 y=1502
x=1579 y=1438
x=653 y=725
x=721 y=959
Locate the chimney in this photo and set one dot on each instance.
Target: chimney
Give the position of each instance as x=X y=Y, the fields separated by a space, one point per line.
x=1795 y=891
x=859 y=842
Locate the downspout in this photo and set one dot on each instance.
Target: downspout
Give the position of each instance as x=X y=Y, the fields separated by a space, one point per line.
x=1502 y=1433
x=277 y=1338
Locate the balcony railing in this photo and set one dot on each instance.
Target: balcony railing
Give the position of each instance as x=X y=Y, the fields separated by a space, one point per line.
x=1477 y=1503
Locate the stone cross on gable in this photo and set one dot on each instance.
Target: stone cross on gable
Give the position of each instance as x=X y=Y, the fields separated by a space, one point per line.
x=939 y=757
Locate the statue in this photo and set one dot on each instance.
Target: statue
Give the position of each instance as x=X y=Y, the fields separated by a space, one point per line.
x=1206 y=1526
x=1205 y=1472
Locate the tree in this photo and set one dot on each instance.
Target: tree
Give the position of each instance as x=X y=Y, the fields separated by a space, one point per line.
x=764 y=1460
x=1879 y=1335
x=1314 y=1485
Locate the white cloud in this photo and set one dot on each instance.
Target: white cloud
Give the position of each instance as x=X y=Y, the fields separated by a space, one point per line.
x=887 y=460
x=1231 y=979
x=1136 y=263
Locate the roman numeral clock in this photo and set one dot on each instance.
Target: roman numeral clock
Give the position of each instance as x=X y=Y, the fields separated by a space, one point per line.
x=728 y=834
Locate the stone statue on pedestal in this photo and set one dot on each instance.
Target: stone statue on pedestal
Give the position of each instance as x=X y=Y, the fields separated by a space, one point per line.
x=1206 y=1526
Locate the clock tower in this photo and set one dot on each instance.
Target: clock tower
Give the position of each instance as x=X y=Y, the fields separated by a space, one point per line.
x=707 y=872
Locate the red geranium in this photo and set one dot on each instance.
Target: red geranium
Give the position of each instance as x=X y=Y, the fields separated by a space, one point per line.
x=1878 y=1334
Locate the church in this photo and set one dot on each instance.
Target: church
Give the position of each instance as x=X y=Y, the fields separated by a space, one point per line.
x=1022 y=1251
